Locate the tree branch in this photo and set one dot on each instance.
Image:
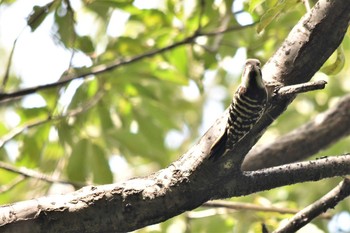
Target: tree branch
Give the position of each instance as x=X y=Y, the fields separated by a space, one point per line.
x=313 y=170
x=328 y=201
x=312 y=137
x=99 y=69
x=20 y=129
x=12 y=184
x=37 y=175
x=287 y=91
x=139 y=199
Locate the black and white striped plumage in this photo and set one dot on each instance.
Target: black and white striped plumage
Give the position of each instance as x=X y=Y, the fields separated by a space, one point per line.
x=247 y=106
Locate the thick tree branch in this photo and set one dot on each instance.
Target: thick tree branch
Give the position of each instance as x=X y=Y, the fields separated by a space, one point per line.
x=328 y=201
x=193 y=179
x=304 y=141
x=136 y=198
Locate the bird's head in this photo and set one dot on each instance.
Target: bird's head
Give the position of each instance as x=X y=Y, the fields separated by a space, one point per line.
x=251 y=77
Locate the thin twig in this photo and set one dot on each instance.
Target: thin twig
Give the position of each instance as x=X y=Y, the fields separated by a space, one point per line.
x=113 y=65
x=253 y=207
x=307 y=5
x=226 y=30
x=18 y=130
x=37 y=175
x=330 y=200
x=14 y=183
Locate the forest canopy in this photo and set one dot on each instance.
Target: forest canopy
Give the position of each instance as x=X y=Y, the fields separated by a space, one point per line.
x=97 y=92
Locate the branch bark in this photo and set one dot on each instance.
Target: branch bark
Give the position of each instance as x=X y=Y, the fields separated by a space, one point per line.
x=193 y=179
x=124 y=206
x=330 y=200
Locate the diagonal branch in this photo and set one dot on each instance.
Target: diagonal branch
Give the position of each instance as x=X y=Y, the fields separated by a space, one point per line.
x=99 y=69
x=12 y=184
x=37 y=175
x=81 y=109
x=328 y=201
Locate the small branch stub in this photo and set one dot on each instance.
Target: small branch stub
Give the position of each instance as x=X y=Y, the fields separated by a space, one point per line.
x=301 y=88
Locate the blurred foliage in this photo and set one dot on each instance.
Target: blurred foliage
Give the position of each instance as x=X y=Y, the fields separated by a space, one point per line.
x=118 y=123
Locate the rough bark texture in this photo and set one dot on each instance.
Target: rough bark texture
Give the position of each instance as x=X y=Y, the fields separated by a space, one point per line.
x=193 y=179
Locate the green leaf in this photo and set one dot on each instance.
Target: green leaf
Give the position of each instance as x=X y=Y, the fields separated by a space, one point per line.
x=64 y=17
x=337 y=65
x=151 y=18
x=39 y=13
x=166 y=72
x=31 y=148
x=280 y=7
x=65 y=133
x=29 y=114
x=53 y=151
x=77 y=163
x=99 y=165
x=103 y=7
x=84 y=44
x=8 y=2
x=253 y=4
x=89 y=160
x=104 y=117
x=179 y=58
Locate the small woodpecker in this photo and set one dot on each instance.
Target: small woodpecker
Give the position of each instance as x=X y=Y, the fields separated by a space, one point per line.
x=247 y=107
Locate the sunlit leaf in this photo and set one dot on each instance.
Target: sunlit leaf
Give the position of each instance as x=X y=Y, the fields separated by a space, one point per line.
x=272 y=13
x=39 y=13
x=335 y=67
x=77 y=168
x=99 y=165
x=85 y=44
x=65 y=134
x=179 y=58
x=31 y=147
x=64 y=17
x=253 y=4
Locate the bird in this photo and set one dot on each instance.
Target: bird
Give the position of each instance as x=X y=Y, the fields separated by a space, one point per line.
x=247 y=107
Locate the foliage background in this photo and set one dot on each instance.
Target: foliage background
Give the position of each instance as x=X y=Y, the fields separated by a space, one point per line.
x=141 y=116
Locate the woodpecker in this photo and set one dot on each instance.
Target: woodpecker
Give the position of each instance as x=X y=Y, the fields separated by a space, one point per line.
x=248 y=105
